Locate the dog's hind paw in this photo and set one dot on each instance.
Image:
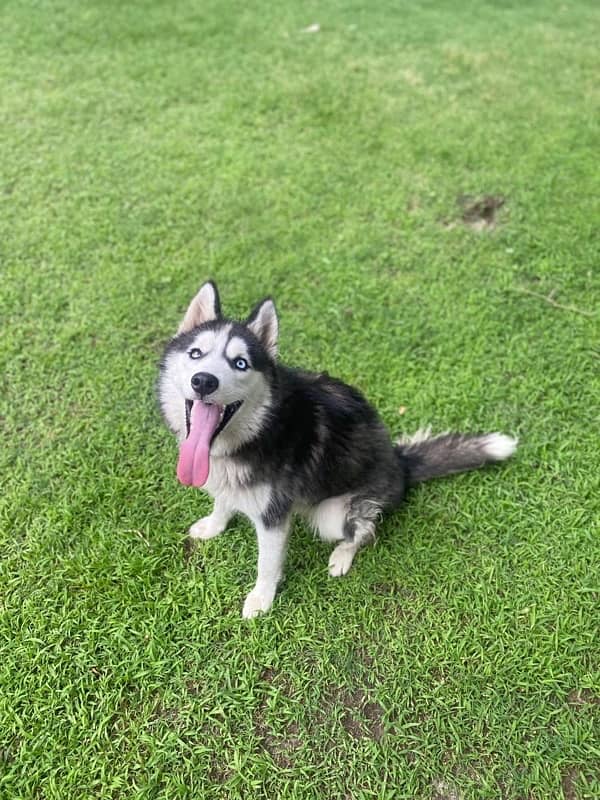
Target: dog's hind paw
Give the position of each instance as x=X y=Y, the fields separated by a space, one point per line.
x=341 y=559
x=205 y=528
x=256 y=603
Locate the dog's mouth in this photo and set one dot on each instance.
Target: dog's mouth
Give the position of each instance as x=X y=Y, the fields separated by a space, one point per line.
x=204 y=422
x=227 y=413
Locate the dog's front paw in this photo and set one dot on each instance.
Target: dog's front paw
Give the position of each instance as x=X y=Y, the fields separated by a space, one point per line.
x=205 y=528
x=257 y=602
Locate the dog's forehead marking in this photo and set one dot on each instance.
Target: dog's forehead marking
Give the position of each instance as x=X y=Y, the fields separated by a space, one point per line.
x=205 y=340
x=236 y=346
x=211 y=340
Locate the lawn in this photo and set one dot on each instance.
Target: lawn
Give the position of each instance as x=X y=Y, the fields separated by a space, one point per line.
x=417 y=184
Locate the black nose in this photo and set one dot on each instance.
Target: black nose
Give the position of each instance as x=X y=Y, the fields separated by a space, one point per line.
x=204 y=383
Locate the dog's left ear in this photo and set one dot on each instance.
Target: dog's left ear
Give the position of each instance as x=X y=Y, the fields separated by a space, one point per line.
x=264 y=325
x=205 y=307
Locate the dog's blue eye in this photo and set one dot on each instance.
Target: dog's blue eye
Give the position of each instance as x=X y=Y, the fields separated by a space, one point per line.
x=240 y=363
x=195 y=352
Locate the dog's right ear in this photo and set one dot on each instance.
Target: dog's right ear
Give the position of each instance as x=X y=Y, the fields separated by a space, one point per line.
x=205 y=307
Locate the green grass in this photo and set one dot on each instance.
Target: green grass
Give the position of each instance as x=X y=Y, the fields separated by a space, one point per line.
x=146 y=146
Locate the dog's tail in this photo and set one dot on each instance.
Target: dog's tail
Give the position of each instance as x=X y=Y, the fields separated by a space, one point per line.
x=425 y=456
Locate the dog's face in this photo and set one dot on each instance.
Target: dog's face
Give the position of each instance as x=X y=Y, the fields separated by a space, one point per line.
x=214 y=386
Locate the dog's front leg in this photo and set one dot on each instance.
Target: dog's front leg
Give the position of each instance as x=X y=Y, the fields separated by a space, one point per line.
x=272 y=544
x=215 y=523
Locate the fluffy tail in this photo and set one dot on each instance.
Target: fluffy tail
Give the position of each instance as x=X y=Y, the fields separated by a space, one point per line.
x=426 y=456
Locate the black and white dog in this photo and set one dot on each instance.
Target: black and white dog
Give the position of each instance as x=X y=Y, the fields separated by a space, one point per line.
x=268 y=441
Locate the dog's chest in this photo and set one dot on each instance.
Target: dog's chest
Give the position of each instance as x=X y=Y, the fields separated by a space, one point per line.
x=226 y=476
x=230 y=482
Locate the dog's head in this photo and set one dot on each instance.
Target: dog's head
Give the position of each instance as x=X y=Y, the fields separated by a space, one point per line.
x=215 y=380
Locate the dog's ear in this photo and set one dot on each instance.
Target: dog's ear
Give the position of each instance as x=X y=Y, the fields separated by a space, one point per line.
x=205 y=307
x=264 y=325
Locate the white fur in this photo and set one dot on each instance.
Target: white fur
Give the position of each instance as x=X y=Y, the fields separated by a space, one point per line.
x=247 y=422
x=272 y=545
x=341 y=559
x=227 y=484
x=228 y=481
x=420 y=436
x=215 y=523
x=329 y=516
x=233 y=384
x=171 y=397
x=208 y=527
x=226 y=477
x=236 y=347
x=498 y=446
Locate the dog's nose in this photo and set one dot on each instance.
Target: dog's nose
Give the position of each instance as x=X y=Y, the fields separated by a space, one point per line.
x=204 y=383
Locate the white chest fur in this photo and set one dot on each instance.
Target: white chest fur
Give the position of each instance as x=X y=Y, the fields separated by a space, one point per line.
x=227 y=483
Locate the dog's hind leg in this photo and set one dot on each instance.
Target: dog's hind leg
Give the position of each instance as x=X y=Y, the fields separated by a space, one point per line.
x=329 y=516
x=215 y=523
x=359 y=528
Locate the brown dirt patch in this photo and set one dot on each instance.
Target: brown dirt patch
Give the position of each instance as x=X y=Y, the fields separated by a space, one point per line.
x=282 y=741
x=575 y=783
x=189 y=547
x=582 y=697
x=362 y=718
x=217 y=773
x=281 y=747
x=568 y=783
x=480 y=213
x=268 y=674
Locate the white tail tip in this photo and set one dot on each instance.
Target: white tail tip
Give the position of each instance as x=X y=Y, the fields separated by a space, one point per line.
x=498 y=446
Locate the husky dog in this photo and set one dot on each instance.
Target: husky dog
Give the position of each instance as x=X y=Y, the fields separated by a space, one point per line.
x=267 y=441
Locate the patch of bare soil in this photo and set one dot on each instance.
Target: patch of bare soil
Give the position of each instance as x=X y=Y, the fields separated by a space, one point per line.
x=268 y=674
x=582 y=697
x=281 y=747
x=362 y=718
x=281 y=744
x=441 y=790
x=217 y=773
x=568 y=783
x=189 y=547
x=480 y=213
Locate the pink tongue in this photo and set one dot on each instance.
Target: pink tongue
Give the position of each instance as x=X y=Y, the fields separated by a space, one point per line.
x=193 y=464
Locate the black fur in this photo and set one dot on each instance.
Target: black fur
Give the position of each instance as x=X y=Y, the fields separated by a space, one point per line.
x=321 y=439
